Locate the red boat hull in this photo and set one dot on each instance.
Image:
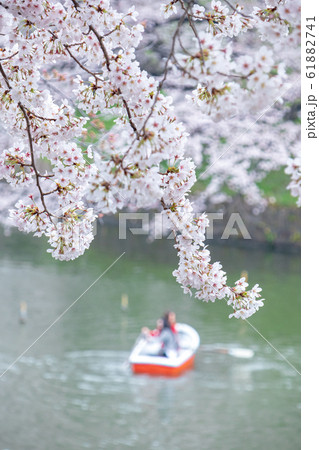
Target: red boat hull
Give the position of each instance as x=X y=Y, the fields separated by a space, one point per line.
x=167 y=371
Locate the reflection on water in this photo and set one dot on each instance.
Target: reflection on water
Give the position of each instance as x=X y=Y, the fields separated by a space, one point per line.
x=73 y=389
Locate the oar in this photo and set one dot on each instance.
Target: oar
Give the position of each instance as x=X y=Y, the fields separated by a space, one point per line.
x=236 y=352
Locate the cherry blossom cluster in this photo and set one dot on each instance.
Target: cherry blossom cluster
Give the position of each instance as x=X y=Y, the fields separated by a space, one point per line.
x=15 y=166
x=195 y=271
x=227 y=84
x=232 y=86
x=141 y=162
x=230 y=159
x=43 y=131
x=221 y=20
x=149 y=133
x=218 y=18
x=294 y=170
x=275 y=22
x=244 y=303
x=222 y=98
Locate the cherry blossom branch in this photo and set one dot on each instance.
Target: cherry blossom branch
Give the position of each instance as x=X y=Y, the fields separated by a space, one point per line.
x=95 y=75
x=146 y=135
x=164 y=76
x=9 y=57
x=236 y=10
x=38 y=116
x=192 y=25
x=28 y=129
x=107 y=60
x=5 y=77
x=100 y=39
x=24 y=112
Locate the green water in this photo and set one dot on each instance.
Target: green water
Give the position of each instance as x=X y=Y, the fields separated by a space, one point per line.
x=73 y=388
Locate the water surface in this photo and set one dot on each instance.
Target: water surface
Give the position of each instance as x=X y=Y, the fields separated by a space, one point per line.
x=73 y=389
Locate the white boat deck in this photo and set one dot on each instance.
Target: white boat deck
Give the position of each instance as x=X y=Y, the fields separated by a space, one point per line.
x=146 y=350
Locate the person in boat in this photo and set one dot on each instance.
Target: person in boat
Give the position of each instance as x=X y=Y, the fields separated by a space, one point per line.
x=156 y=332
x=169 y=318
x=168 y=336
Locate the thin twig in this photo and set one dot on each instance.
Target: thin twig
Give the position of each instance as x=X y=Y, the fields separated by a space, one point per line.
x=182 y=46
x=193 y=27
x=9 y=57
x=160 y=84
x=107 y=60
x=184 y=70
x=236 y=10
x=243 y=77
x=66 y=46
x=39 y=117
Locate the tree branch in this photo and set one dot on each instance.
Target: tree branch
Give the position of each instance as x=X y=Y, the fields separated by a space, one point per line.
x=160 y=85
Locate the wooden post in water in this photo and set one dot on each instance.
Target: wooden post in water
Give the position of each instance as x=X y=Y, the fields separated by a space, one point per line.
x=23 y=312
x=124 y=302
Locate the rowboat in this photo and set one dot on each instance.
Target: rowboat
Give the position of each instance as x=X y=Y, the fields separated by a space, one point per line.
x=144 y=356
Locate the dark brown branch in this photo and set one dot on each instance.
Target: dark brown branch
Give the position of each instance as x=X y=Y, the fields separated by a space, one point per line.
x=66 y=46
x=51 y=192
x=107 y=60
x=236 y=10
x=4 y=76
x=31 y=113
x=100 y=39
x=160 y=85
x=26 y=117
x=242 y=77
x=129 y=116
x=76 y=44
x=9 y=57
x=45 y=176
x=184 y=70
x=76 y=4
